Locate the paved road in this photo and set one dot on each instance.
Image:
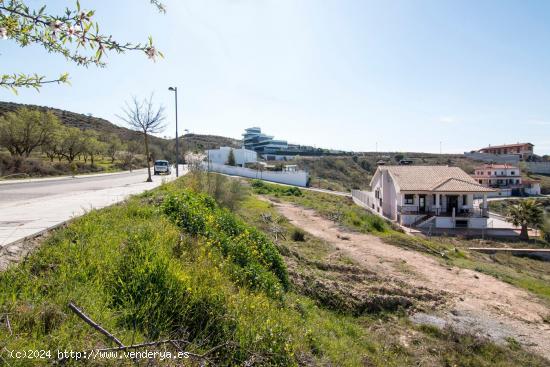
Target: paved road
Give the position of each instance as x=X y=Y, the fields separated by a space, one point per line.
x=28 y=207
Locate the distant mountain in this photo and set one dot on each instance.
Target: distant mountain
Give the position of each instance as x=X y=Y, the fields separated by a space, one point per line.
x=165 y=147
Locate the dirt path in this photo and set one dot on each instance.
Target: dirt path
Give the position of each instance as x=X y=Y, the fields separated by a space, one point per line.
x=479 y=303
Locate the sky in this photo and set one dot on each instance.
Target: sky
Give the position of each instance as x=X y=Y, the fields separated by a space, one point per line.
x=358 y=75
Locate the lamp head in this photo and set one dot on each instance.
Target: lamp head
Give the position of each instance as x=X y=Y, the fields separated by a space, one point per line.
x=172 y=88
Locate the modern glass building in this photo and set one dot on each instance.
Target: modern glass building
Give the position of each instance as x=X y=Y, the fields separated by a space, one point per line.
x=254 y=139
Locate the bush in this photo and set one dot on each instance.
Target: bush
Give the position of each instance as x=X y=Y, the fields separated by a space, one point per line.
x=145 y=289
x=262 y=188
x=298 y=235
x=254 y=259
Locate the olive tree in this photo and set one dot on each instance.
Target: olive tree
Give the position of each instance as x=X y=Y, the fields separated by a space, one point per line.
x=52 y=147
x=24 y=130
x=144 y=117
x=114 y=145
x=73 y=33
x=73 y=144
x=92 y=146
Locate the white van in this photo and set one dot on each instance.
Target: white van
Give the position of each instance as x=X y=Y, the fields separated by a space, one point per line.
x=162 y=166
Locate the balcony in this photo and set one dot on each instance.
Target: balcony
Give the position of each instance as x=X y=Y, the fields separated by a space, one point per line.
x=464 y=212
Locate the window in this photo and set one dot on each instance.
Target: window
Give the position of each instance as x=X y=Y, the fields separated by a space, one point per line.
x=481 y=181
x=464 y=199
x=513 y=173
x=409 y=199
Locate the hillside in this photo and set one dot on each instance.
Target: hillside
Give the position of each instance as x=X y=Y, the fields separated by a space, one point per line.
x=160 y=145
x=200 y=142
x=342 y=173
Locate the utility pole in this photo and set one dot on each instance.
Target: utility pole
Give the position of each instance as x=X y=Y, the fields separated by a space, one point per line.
x=175 y=90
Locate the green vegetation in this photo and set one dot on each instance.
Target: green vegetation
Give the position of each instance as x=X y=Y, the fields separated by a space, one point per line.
x=173 y=263
x=261 y=187
x=83 y=139
x=338 y=173
x=338 y=208
x=348 y=172
x=527 y=213
x=298 y=235
x=502 y=206
x=37 y=143
x=529 y=274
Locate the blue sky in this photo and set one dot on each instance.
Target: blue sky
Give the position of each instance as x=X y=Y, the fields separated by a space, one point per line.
x=405 y=75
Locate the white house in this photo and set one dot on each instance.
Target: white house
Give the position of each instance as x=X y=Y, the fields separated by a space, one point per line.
x=221 y=155
x=424 y=196
x=506 y=178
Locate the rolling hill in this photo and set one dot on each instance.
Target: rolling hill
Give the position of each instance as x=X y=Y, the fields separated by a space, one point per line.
x=164 y=146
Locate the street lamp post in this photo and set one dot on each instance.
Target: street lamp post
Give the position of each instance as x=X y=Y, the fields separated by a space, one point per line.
x=175 y=90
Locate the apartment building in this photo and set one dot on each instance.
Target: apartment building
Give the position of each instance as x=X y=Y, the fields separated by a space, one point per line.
x=506 y=178
x=523 y=150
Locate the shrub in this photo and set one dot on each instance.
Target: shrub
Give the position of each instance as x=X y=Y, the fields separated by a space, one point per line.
x=263 y=188
x=298 y=235
x=254 y=259
x=144 y=287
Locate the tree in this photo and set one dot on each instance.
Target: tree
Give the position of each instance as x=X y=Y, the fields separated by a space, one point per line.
x=114 y=145
x=73 y=144
x=398 y=157
x=73 y=34
x=231 y=158
x=52 y=147
x=92 y=146
x=24 y=130
x=528 y=213
x=133 y=148
x=144 y=117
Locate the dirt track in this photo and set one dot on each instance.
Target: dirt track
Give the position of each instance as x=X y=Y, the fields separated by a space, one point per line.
x=479 y=303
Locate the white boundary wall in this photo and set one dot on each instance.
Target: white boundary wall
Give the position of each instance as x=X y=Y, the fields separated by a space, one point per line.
x=297 y=178
x=487 y=157
x=538 y=167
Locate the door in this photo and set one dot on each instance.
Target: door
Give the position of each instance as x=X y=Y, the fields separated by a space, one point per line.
x=422 y=203
x=452 y=203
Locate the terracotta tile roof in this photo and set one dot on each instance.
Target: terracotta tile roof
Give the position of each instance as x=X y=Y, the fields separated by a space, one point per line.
x=506 y=146
x=434 y=178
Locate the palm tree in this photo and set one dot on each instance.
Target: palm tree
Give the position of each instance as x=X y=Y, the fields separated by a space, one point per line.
x=528 y=213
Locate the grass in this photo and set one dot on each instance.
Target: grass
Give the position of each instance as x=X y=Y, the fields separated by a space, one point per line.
x=440 y=347
x=529 y=274
x=172 y=263
x=338 y=208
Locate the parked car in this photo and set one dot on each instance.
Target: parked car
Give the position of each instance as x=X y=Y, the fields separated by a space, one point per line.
x=162 y=166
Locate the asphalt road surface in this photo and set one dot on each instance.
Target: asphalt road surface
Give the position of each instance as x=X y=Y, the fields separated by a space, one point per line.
x=28 y=207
